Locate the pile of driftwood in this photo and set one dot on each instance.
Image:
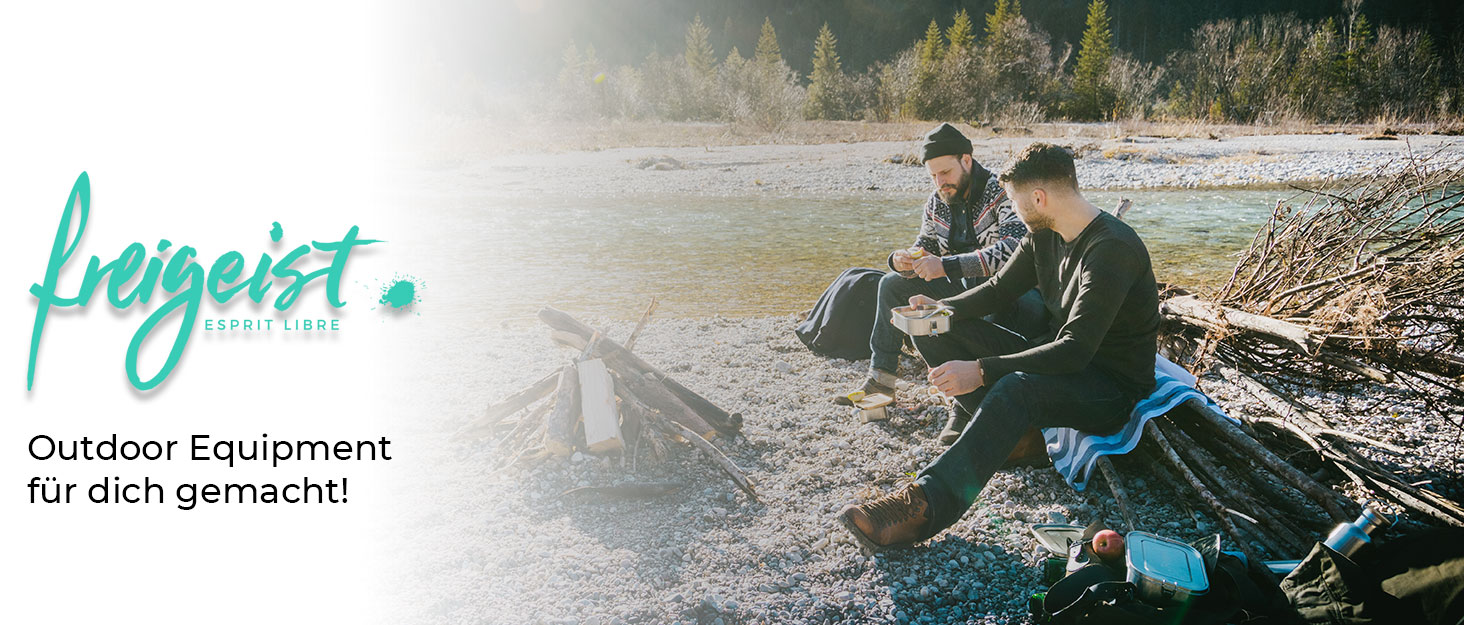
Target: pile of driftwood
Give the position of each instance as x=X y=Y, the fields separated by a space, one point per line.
x=1360 y=283
x=605 y=401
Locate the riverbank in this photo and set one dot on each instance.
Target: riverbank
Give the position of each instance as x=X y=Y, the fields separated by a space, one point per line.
x=503 y=546
x=478 y=543
x=1124 y=161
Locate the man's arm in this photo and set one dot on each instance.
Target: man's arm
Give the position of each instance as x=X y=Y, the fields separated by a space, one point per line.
x=1109 y=271
x=988 y=260
x=925 y=239
x=1017 y=276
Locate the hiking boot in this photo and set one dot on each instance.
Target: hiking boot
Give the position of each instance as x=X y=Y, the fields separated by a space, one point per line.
x=1031 y=451
x=894 y=520
x=954 y=426
x=871 y=386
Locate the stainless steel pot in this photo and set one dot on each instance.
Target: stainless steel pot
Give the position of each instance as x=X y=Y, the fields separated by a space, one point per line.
x=928 y=320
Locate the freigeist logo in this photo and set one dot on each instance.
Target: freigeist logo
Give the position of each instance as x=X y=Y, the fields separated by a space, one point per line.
x=181 y=277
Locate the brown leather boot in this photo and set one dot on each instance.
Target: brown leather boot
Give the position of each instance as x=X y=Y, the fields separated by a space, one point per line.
x=1031 y=451
x=894 y=520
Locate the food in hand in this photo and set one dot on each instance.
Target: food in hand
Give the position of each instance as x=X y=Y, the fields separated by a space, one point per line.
x=916 y=252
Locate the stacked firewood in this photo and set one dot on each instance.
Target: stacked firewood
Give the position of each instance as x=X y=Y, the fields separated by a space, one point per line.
x=1363 y=282
x=605 y=401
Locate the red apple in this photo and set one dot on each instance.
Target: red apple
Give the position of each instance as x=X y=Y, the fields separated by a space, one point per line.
x=1108 y=544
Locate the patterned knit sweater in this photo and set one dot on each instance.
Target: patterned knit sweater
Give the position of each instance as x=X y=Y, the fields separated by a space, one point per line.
x=997 y=231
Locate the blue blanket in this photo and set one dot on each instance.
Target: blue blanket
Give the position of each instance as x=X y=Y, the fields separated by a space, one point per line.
x=1074 y=452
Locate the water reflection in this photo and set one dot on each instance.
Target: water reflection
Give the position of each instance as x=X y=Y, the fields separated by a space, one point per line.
x=761 y=255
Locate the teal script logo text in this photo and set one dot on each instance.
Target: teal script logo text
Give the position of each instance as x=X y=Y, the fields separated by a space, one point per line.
x=181 y=276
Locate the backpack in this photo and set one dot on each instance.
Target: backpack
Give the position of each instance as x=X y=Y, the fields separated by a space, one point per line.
x=840 y=323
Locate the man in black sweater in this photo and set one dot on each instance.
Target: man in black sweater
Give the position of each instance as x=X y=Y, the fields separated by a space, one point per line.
x=1087 y=372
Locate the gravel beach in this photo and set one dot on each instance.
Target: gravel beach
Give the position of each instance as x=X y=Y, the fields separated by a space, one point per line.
x=474 y=542
x=503 y=546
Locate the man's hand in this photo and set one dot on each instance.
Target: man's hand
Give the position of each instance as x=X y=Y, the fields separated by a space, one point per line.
x=917 y=301
x=900 y=260
x=957 y=377
x=929 y=267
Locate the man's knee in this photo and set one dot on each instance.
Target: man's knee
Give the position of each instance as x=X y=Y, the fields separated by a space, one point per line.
x=1012 y=388
x=893 y=286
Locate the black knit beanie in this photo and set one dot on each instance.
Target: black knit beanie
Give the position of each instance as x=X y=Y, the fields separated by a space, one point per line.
x=945 y=140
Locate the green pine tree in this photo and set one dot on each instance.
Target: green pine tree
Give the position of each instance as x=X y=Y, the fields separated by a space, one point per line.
x=592 y=62
x=824 y=101
x=570 y=69
x=920 y=102
x=1005 y=11
x=959 y=34
x=931 y=48
x=734 y=59
x=1092 y=96
x=1359 y=40
x=699 y=53
x=767 y=51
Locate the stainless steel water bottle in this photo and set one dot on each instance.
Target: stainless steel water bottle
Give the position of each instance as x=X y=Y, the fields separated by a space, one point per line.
x=1347 y=538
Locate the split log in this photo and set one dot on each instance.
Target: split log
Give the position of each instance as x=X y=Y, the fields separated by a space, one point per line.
x=597 y=404
x=622 y=360
x=559 y=433
x=497 y=412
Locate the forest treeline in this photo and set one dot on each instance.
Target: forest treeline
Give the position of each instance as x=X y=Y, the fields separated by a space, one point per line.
x=1001 y=68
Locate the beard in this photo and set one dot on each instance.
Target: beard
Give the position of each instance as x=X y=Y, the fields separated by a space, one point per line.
x=949 y=192
x=1038 y=223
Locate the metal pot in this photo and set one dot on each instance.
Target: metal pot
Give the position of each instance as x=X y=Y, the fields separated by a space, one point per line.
x=928 y=320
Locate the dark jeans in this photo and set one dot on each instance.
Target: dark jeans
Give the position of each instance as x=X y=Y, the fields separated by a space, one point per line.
x=1003 y=410
x=1028 y=315
x=895 y=291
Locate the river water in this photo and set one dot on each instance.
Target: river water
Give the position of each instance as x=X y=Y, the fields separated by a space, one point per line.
x=760 y=255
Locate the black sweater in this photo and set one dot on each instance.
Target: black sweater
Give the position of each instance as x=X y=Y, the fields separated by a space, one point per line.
x=1100 y=293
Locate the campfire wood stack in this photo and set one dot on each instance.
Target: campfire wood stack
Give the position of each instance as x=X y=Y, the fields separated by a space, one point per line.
x=606 y=400
x=1364 y=283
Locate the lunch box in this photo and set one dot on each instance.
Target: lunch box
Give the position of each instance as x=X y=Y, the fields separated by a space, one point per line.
x=872 y=407
x=927 y=320
x=1164 y=572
